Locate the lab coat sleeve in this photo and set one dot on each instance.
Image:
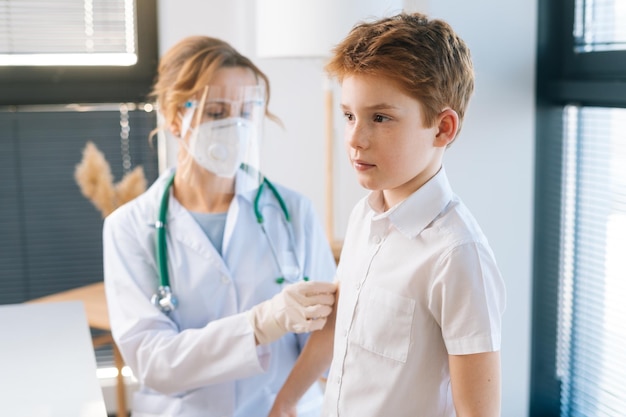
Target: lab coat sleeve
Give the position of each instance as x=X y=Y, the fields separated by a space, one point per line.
x=162 y=357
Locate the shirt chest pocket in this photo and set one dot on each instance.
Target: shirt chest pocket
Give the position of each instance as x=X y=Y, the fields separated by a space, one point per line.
x=384 y=323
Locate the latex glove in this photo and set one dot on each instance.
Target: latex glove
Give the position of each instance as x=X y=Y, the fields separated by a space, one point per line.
x=299 y=308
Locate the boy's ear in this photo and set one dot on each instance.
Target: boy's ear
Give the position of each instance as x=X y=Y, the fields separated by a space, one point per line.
x=447 y=126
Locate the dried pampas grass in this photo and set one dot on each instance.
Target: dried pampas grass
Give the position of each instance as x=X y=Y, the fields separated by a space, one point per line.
x=94 y=178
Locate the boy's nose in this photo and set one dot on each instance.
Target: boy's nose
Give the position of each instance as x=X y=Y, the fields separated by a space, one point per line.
x=356 y=136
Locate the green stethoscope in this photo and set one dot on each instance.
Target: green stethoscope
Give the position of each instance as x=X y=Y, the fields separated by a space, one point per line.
x=164 y=299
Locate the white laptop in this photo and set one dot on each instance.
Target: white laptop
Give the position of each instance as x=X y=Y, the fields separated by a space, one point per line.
x=47 y=362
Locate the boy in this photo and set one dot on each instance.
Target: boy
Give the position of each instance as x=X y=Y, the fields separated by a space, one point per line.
x=418 y=317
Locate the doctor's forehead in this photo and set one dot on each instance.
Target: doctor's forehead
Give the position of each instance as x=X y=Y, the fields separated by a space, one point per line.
x=233 y=77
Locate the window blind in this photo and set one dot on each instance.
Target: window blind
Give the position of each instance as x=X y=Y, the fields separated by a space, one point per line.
x=68 y=32
x=77 y=51
x=51 y=234
x=599 y=25
x=579 y=286
x=591 y=359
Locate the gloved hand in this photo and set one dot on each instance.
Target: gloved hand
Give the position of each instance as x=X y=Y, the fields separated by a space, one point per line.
x=299 y=308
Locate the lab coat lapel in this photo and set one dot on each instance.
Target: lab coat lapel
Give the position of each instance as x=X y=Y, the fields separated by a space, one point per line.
x=185 y=230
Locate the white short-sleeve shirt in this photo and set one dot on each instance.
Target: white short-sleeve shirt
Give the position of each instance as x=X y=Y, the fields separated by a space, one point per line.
x=418 y=282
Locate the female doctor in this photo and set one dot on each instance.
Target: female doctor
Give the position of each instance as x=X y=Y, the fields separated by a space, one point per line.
x=215 y=276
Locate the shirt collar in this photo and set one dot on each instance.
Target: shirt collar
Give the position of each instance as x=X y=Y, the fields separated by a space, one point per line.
x=418 y=210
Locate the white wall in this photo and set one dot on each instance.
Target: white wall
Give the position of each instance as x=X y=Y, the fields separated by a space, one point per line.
x=490 y=166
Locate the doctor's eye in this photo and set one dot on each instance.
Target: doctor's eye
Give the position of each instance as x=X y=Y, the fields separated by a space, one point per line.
x=247 y=109
x=216 y=110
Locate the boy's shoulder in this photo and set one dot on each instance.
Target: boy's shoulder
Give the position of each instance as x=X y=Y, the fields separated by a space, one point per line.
x=457 y=224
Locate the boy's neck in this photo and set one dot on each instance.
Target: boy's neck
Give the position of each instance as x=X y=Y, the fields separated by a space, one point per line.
x=393 y=197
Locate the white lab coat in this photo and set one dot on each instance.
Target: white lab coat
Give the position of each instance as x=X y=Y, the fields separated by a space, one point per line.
x=202 y=359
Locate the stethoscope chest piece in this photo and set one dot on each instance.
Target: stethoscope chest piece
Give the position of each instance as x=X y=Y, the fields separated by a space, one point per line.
x=164 y=299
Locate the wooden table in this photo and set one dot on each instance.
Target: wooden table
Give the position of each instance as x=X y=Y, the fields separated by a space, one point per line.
x=94 y=300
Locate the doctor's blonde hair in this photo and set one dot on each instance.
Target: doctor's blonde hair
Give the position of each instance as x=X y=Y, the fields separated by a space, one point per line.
x=188 y=67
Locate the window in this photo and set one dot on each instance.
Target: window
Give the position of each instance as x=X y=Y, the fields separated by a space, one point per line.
x=51 y=234
x=599 y=26
x=579 y=313
x=71 y=71
x=591 y=359
x=85 y=51
x=81 y=32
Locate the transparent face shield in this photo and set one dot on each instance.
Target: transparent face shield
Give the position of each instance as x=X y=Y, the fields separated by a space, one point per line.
x=221 y=131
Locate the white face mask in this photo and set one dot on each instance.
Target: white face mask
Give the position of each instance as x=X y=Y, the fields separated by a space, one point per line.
x=219 y=146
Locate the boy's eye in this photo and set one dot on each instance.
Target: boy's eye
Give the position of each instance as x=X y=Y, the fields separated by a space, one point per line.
x=348 y=116
x=379 y=118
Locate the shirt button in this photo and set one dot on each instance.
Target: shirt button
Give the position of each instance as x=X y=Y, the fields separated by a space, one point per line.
x=376 y=239
x=339 y=379
x=358 y=286
x=225 y=279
